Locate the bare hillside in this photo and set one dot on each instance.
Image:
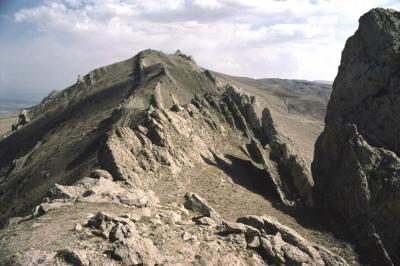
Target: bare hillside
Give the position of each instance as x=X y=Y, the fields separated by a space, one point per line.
x=157 y=161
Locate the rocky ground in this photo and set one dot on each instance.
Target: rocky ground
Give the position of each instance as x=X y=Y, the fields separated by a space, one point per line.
x=157 y=161
x=166 y=164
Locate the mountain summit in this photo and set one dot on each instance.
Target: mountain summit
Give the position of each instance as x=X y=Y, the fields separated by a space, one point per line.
x=155 y=160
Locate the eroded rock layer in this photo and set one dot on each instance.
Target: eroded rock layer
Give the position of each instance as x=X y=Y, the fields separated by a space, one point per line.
x=356 y=165
x=102 y=168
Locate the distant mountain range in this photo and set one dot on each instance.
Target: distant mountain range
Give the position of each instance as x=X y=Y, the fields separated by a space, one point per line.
x=11 y=105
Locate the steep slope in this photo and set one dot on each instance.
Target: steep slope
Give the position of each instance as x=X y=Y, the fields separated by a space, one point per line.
x=357 y=164
x=298 y=107
x=60 y=143
x=104 y=166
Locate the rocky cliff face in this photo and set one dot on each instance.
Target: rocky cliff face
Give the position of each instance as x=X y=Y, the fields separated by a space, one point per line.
x=356 y=165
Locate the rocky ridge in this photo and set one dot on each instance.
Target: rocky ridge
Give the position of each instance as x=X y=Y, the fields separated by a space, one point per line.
x=138 y=126
x=102 y=168
x=356 y=166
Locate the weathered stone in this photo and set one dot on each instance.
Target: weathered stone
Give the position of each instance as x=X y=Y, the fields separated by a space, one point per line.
x=45 y=207
x=196 y=203
x=205 y=221
x=117 y=155
x=297 y=181
x=176 y=108
x=257 y=151
x=78 y=227
x=252 y=117
x=136 y=251
x=138 y=198
x=38 y=211
x=330 y=259
x=98 y=173
x=22 y=120
x=100 y=220
x=271 y=227
x=253 y=242
x=62 y=192
x=237 y=239
x=75 y=257
x=173 y=217
x=228 y=115
x=239 y=119
x=283 y=253
x=238 y=228
x=356 y=162
x=120 y=231
x=186 y=236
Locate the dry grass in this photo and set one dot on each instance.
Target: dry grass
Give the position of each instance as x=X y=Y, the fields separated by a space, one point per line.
x=6 y=120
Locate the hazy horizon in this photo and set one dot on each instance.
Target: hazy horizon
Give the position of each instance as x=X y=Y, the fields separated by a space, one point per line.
x=46 y=44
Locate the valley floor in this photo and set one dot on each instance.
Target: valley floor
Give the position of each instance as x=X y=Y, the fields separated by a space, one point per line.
x=6 y=120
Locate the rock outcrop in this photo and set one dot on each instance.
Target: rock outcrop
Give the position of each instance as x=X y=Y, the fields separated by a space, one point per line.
x=277 y=153
x=357 y=165
x=22 y=120
x=170 y=235
x=103 y=169
x=284 y=246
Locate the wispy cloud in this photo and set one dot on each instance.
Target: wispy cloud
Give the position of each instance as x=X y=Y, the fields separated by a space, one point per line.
x=259 y=38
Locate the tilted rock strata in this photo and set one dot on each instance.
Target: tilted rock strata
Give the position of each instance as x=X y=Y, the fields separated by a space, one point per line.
x=167 y=137
x=283 y=164
x=356 y=165
x=138 y=123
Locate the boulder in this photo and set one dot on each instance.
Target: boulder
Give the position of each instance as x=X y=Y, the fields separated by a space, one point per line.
x=102 y=222
x=98 y=173
x=205 y=221
x=136 y=251
x=195 y=203
x=120 y=231
x=282 y=253
x=279 y=244
x=238 y=228
x=63 y=192
x=271 y=227
x=75 y=257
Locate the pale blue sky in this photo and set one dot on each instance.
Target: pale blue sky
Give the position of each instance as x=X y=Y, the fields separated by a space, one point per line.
x=45 y=44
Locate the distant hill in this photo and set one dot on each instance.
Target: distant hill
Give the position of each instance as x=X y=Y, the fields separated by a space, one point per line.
x=12 y=105
x=328 y=82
